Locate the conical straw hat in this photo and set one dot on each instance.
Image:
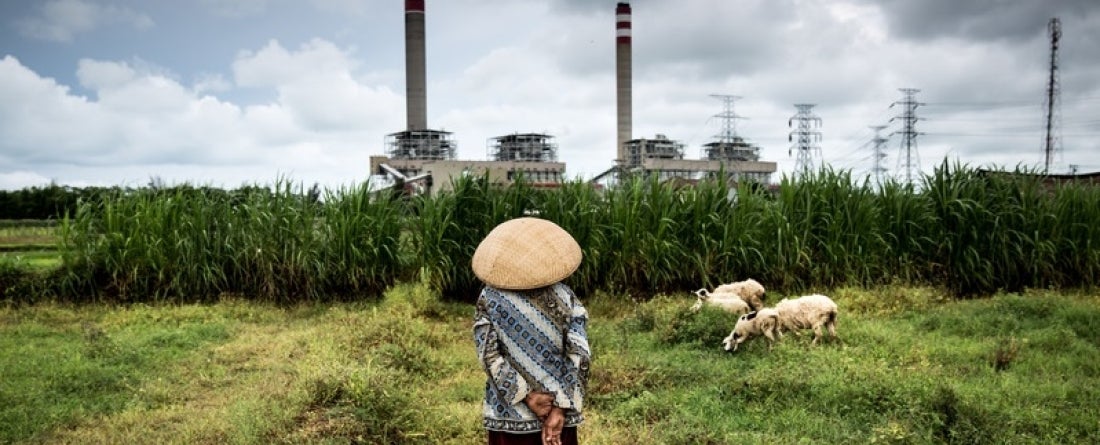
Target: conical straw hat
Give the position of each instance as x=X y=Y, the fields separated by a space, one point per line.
x=526 y=253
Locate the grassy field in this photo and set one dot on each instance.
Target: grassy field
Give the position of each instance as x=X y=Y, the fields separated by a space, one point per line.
x=33 y=246
x=914 y=367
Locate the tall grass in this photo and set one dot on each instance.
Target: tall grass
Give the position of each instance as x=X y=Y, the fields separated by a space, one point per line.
x=962 y=229
x=185 y=243
x=995 y=231
x=446 y=230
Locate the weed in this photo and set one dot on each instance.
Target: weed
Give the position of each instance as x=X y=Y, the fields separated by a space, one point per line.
x=1005 y=353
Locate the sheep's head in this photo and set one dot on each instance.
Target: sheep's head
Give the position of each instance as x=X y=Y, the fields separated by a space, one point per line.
x=732 y=341
x=740 y=332
x=701 y=297
x=728 y=342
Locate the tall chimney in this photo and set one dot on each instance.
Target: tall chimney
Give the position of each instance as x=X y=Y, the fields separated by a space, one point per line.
x=416 y=102
x=622 y=77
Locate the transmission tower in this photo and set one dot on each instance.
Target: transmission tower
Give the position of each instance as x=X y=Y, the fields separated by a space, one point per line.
x=729 y=118
x=908 y=159
x=804 y=138
x=879 y=149
x=1054 y=93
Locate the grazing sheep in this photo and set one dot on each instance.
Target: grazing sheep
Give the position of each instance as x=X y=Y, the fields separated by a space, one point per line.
x=749 y=290
x=726 y=301
x=808 y=312
x=753 y=324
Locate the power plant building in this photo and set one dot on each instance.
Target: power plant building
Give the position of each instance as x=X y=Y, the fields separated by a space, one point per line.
x=424 y=160
x=660 y=147
x=660 y=156
x=664 y=159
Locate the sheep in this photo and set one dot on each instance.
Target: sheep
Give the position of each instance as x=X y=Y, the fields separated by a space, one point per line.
x=808 y=312
x=749 y=290
x=726 y=301
x=753 y=324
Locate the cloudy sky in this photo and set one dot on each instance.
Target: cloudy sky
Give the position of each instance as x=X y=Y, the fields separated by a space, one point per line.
x=233 y=92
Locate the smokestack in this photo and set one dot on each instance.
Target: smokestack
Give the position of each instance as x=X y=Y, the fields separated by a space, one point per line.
x=622 y=77
x=416 y=102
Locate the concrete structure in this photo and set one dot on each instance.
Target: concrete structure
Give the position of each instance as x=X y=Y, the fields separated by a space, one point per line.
x=421 y=160
x=663 y=157
x=435 y=176
x=532 y=147
x=623 y=77
x=430 y=145
x=416 y=90
x=660 y=147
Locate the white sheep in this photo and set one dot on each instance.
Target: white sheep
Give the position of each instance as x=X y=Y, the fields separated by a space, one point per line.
x=728 y=302
x=754 y=324
x=808 y=312
x=750 y=290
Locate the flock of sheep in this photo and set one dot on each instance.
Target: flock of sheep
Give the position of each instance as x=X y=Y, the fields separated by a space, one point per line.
x=746 y=298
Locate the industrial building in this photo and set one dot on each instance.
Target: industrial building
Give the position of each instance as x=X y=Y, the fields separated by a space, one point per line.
x=730 y=154
x=423 y=160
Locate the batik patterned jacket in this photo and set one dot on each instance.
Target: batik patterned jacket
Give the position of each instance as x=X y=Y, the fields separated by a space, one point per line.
x=529 y=341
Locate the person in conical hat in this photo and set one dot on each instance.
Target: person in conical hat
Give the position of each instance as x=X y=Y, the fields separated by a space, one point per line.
x=530 y=331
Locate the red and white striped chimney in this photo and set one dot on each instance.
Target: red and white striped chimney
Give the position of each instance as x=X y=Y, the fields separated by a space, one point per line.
x=416 y=90
x=622 y=78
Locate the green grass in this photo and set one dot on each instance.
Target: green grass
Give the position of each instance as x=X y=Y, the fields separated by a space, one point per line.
x=26 y=237
x=914 y=366
x=34 y=259
x=63 y=364
x=29 y=244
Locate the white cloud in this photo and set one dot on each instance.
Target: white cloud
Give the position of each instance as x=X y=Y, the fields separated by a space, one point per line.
x=213 y=83
x=62 y=20
x=273 y=65
x=94 y=74
x=21 y=179
x=321 y=127
x=317 y=84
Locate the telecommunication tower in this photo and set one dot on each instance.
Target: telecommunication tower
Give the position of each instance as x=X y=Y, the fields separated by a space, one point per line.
x=804 y=138
x=1053 y=98
x=908 y=158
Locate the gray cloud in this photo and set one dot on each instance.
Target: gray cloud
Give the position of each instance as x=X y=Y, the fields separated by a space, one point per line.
x=983 y=20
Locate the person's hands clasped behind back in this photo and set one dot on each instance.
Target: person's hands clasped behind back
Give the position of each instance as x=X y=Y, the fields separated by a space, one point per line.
x=540 y=402
x=552 y=426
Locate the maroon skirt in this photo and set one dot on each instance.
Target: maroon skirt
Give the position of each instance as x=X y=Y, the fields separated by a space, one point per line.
x=568 y=437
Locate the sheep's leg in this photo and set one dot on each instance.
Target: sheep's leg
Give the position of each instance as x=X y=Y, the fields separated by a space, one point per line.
x=817 y=334
x=770 y=334
x=831 y=325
